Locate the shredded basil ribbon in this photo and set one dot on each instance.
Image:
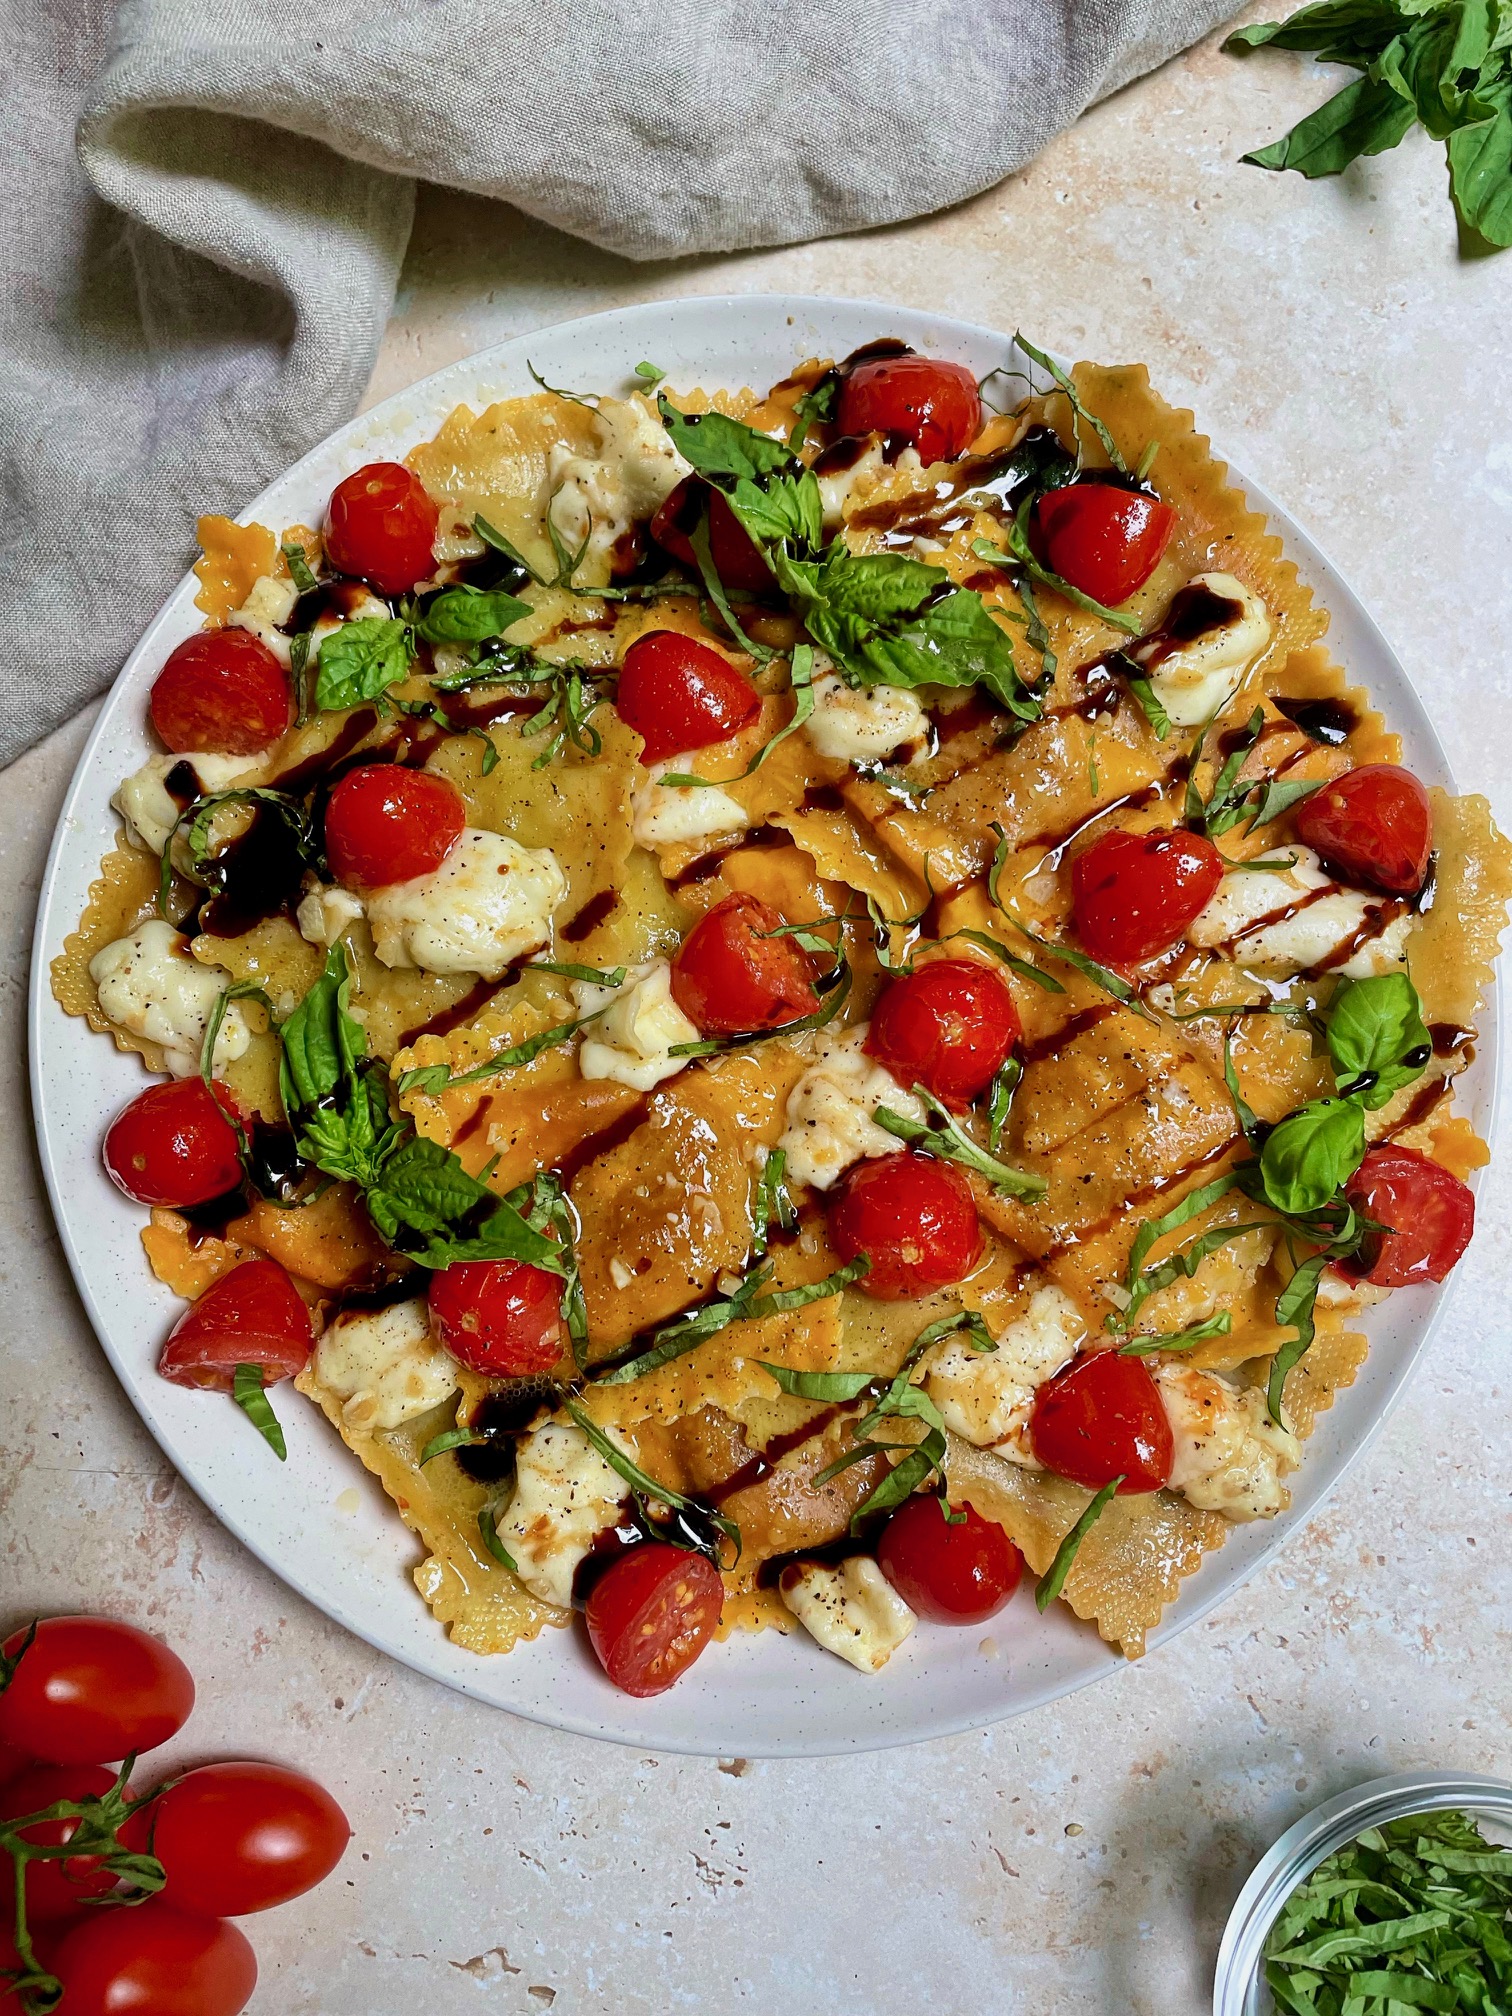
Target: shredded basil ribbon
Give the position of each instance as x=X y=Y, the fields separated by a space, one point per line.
x=1053 y=1580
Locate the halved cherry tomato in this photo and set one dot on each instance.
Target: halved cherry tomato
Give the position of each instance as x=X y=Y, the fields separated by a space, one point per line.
x=54 y=1889
x=732 y=975
x=1374 y=825
x=174 y=1145
x=1430 y=1212
x=948 y=1026
x=1103 y=540
x=914 y=1218
x=1135 y=893
x=155 y=1961
x=87 y=1690
x=678 y=693
x=382 y=527
x=385 y=824
x=651 y=1614
x=498 y=1316
x=735 y=554
x=222 y=690
x=251 y=1316
x=1102 y=1418
x=238 y=1837
x=933 y=403
x=951 y=1574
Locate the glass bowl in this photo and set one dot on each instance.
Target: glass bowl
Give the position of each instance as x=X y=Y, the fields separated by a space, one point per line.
x=1238 y=1984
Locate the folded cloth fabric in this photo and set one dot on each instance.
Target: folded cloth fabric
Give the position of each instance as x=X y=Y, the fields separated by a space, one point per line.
x=168 y=349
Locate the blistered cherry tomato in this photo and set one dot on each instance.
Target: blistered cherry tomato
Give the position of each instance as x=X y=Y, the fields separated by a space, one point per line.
x=251 y=1316
x=54 y=1889
x=678 y=693
x=915 y=1220
x=732 y=974
x=155 y=1961
x=498 y=1316
x=651 y=1614
x=1102 y=1418
x=386 y=824
x=241 y=1837
x=1103 y=540
x=1430 y=1212
x=1134 y=894
x=382 y=526
x=948 y=1025
x=934 y=404
x=174 y=1145
x=1374 y=825
x=88 y=1690
x=222 y=690
x=950 y=1573
x=736 y=557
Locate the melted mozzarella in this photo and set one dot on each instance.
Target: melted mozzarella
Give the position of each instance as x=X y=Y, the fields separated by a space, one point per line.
x=662 y=815
x=325 y=912
x=1310 y=937
x=266 y=610
x=630 y=1042
x=634 y=471
x=565 y=1495
x=152 y=986
x=836 y=486
x=852 y=1611
x=1229 y=1455
x=862 y=725
x=385 y=1366
x=488 y=904
x=150 y=810
x=829 y=1124
x=1198 y=679
x=986 y=1397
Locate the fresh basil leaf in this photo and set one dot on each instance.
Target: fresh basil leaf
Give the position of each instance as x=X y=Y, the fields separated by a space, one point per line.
x=1312 y=1153
x=1294 y=1307
x=1063 y=380
x=433 y=1078
x=773 y=1207
x=1341 y=28
x=946 y=1138
x=334 y=1097
x=596 y=976
x=1244 y=1113
x=1269 y=799
x=452 y=1438
x=788 y=506
x=361 y=660
x=249 y=1391
x=1480 y=167
x=1025 y=968
x=470 y=615
x=298 y=563
x=823 y=1386
x=1178 y=1340
x=1366 y=117
x=1149 y=705
x=814 y=408
x=721 y=448
x=1000 y=1100
x=426 y=1206
x=1375 y=1030
x=488 y=1530
x=649 y=374
x=1053 y=1580
x=907 y=1477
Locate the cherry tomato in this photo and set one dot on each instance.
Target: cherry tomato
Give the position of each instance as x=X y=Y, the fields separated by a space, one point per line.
x=498 y=1316
x=1430 y=1212
x=1101 y=1418
x=221 y=690
x=651 y=1614
x=680 y=694
x=1103 y=540
x=933 y=403
x=251 y=1316
x=385 y=824
x=951 y=1574
x=915 y=1220
x=730 y=975
x=1135 y=893
x=155 y=1961
x=87 y=1690
x=174 y=1145
x=735 y=554
x=948 y=1026
x=13 y=1761
x=241 y=1837
x=382 y=526
x=54 y=1889
x=1374 y=825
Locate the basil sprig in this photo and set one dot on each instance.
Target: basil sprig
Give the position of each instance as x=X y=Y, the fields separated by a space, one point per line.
x=945 y=1137
x=363 y=658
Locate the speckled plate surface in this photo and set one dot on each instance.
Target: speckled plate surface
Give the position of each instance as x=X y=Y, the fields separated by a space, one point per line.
x=320 y=1521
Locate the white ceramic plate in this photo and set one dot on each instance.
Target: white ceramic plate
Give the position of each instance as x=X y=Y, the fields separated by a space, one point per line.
x=763 y=1696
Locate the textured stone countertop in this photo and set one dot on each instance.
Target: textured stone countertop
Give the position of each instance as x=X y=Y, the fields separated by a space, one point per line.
x=1081 y=1859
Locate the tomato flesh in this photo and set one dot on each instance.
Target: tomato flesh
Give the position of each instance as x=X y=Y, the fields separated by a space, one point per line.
x=1101 y=1418
x=1372 y=825
x=1134 y=894
x=242 y=1837
x=735 y=555
x=950 y=1574
x=731 y=975
x=678 y=693
x=155 y=1961
x=934 y=404
x=173 y=1145
x=498 y=1316
x=651 y=1614
x=54 y=1889
x=1101 y=539
x=1430 y=1213
x=88 y=1690
x=385 y=824
x=948 y=1026
x=914 y=1218
x=221 y=690
x=381 y=526
x=253 y=1315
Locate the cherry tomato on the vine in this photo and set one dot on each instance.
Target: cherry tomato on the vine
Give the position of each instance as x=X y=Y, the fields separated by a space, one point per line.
x=735 y=555
x=385 y=824
x=1134 y=894
x=87 y=1690
x=651 y=1614
x=1373 y=825
x=253 y=1315
x=949 y=1026
x=1101 y=1418
x=678 y=693
x=1430 y=1213
x=501 y=1317
x=934 y=404
x=221 y=690
x=382 y=526
x=951 y=1573
x=152 y=1960
x=241 y=1837
x=915 y=1220
x=174 y=1145
x=732 y=974
x=54 y=1889
x=1101 y=539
